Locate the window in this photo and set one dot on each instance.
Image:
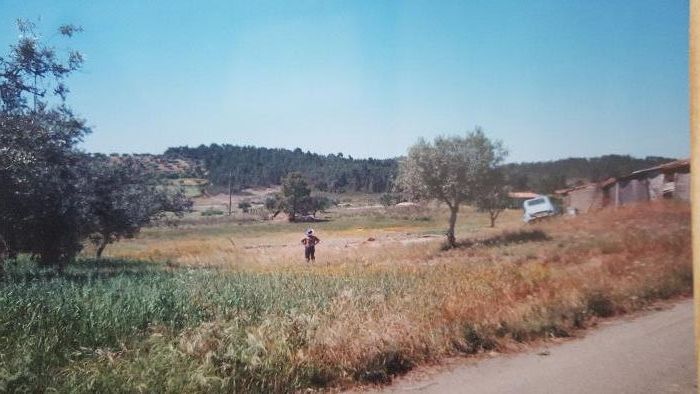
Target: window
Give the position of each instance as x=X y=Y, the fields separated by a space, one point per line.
x=538 y=201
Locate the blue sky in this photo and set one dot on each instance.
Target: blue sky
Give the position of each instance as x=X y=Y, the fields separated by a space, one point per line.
x=551 y=79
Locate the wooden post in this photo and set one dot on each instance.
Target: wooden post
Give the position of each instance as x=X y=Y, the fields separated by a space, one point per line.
x=694 y=74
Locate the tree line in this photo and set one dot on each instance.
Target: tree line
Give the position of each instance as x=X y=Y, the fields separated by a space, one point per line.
x=249 y=166
x=54 y=197
x=547 y=176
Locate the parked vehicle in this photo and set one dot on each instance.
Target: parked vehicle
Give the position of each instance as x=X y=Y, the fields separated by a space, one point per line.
x=538 y=208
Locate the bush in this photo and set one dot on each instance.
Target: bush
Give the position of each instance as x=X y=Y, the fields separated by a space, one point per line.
x=212 y=212
x=391 y=199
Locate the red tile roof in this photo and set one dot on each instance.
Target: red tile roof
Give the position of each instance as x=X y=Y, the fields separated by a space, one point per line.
x=674 y=165
x=523 y=195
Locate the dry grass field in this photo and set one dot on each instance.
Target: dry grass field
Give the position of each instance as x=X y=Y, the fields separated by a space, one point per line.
x=358 y=235
x=232 y=306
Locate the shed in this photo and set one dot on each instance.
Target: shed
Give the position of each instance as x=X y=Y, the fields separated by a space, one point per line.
x=583 y=198
x=669 y=180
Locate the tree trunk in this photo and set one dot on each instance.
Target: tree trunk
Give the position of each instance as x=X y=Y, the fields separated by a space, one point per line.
x=101 y=248
x=451 y=240
x=493 y=215
x=3 y=256
x=4 y=249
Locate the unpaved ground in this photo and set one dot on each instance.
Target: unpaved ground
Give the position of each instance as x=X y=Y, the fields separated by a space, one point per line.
x=651 y=353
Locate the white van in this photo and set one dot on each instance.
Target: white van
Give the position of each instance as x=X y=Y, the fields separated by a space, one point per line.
x=538 y=208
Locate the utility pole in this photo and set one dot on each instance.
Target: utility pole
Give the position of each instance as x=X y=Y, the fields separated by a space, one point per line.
x=230 y=192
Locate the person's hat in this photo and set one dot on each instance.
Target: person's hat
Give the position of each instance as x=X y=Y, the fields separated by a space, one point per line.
x=309 y=231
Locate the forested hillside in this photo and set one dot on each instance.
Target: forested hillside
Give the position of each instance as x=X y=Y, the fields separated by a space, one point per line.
x=547 y=176
x=250 y=166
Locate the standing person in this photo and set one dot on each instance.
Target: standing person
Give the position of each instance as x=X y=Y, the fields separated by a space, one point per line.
x=310 y=243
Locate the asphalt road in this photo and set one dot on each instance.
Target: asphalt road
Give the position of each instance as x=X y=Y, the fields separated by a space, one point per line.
x=650 y=353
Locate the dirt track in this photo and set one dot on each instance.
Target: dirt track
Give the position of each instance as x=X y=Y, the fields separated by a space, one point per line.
x=651 y=353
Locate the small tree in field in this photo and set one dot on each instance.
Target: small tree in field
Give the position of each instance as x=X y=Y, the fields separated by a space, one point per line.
x=126 y=197
x=296 y=192
x=274 y=205
x=493 y=198
x=452 y=170
x=244 y=206
x=313 y=204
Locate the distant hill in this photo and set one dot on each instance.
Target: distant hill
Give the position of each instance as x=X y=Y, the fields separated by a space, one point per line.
x=547 y=176
x=165 y=166
x=250 y=166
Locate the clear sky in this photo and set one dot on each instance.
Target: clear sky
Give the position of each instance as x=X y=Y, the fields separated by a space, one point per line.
x=551 y=79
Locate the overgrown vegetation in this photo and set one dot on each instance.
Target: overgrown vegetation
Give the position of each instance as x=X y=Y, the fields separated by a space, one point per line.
x=54 y=196
x=130 y=325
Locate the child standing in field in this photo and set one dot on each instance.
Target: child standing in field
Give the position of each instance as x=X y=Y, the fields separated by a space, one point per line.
x=310 y=243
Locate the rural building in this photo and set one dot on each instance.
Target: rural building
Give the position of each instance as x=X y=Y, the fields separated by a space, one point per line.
x=669 y=180
x=583 y=198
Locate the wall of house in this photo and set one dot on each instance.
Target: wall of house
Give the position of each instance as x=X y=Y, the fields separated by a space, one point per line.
x=585 y=199
x=632 y=191
x=656 y=186
x=682 y=189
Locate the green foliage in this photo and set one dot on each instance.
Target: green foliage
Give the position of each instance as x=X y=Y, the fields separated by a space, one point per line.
x=110 y=323
x=390 y=199
x=43 y=209
x=492 y=197
x=244 y=206
x=252 y=166
x=454 y=170
x=125 y=196
x=296 y=194
x=53 y=196
x=313 y=204
x=274 y=204
x=212 y=212
x=548 y=176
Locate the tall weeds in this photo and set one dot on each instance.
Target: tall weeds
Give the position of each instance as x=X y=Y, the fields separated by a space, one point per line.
x=133 y=326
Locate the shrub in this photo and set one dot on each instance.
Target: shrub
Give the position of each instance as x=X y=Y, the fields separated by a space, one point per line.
x=212 y=212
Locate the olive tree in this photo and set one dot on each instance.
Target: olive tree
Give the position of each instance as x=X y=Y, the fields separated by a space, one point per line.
x=452 y=170
x=493 y=197
x=124 y=197
x=43 y=209
x=53 y=196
